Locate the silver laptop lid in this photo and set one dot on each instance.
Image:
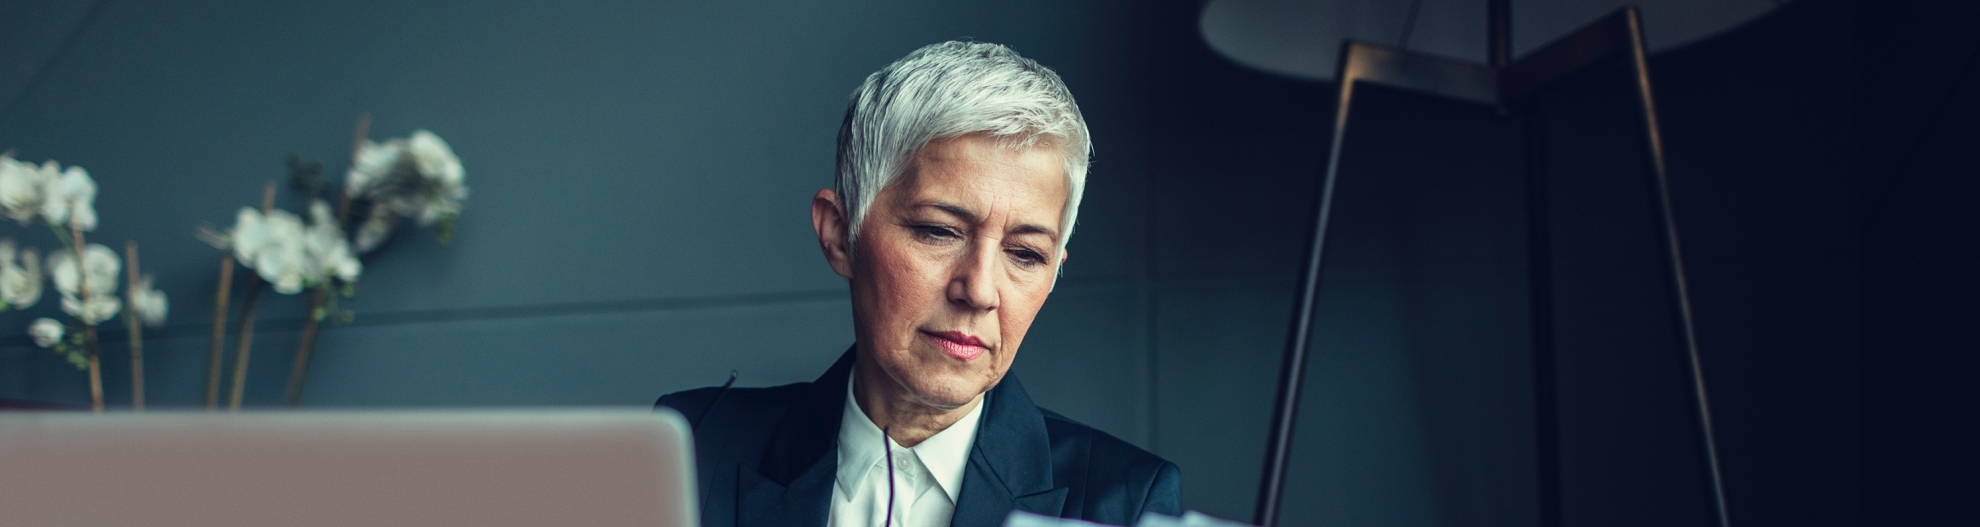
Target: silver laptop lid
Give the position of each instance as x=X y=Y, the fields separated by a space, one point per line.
x=479 y=468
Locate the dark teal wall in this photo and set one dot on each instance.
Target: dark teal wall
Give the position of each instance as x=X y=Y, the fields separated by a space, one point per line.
x=641 y=172
x=641 y=176
x=628 y=153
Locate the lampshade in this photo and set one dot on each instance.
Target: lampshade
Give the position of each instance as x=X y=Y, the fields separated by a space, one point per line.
x=1302 y=38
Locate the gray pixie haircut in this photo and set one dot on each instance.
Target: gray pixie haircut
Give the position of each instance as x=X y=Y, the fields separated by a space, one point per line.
x=948 y=90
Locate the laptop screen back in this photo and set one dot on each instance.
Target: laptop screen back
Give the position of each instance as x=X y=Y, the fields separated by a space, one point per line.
x=480 y=468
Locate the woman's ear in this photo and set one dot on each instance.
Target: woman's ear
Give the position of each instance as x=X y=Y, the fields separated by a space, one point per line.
x=1060 y=270
x=828 y=219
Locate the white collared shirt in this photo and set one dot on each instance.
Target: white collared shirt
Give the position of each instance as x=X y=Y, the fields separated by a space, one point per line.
x=927 y=478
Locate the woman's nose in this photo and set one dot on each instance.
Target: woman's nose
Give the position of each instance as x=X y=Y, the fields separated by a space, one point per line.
x=974 y=285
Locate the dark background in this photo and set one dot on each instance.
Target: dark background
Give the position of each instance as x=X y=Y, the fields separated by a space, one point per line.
x=641 y=171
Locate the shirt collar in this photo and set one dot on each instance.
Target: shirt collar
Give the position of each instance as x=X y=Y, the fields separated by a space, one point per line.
x=945 y=454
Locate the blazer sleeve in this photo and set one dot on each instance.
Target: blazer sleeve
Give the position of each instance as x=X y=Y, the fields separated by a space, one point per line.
x=1164 y=492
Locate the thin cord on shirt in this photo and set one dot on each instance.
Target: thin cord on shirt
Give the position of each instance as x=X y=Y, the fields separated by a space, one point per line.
x=887 y=448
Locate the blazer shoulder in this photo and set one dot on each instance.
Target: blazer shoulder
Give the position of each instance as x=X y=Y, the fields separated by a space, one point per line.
x=722 y=416
x=691 y=403
x=1141 y=480
x=1100 y=448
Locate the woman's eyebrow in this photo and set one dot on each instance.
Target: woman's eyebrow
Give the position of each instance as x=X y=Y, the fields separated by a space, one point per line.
x=1028 y=228
x=970 y=217
x=957 y=210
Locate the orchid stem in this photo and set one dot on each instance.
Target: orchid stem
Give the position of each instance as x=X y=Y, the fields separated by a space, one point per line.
x=311 y=324
x=62 y=235
x=95 y=370
x=217 y=353
x=357 y=145
x=246 y=337
x=89 y=328
x=131 y=322
x=246 y=344
x=298 y=375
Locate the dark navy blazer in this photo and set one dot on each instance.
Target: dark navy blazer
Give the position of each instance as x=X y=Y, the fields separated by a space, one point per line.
x=768 y=457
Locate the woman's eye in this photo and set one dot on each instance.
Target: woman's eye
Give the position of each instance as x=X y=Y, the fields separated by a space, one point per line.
x=1028 y=256
x=934 y=233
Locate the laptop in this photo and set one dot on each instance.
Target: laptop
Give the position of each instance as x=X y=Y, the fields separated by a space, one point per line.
x=348 y=468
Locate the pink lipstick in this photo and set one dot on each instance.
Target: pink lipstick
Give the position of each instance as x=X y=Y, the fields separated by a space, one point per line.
x=959 y=345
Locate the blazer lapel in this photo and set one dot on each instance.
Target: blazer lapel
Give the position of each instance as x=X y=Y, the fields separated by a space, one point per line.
x=763 y=502
x=792 y=484
x=1010 y=466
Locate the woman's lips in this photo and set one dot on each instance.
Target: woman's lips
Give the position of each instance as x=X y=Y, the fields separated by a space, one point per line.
x=959 y=345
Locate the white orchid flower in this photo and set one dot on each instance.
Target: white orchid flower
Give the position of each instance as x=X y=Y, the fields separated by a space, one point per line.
x=377 y=227
x=320 y=215
x=248 y=236
x=268 y=243
x=20 y=189
x=330 y=252
x=46 y=331
x=375 y=162
x=444 y=203
x=20 y=279
x=444 y=185
x=100 y=264
x=98 y=308
x=69 y=195
x=100 y=267
x=290 y=254
x=434 y=159
x=425 y=182
x=281 y=259
x=149 y=303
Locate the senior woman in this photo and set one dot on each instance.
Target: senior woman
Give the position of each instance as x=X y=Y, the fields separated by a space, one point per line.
x=959 y=175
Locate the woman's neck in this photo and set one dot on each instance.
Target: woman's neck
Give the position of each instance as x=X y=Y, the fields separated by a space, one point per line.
x=907 y=420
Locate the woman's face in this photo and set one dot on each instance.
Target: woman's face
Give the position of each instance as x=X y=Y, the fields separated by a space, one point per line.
x=953 y=261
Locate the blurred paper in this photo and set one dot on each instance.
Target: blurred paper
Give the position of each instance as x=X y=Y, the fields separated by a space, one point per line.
x=1188 y=519
x=1026 y=519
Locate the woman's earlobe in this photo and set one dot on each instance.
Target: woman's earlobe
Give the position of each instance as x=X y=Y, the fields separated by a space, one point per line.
x=828 y=220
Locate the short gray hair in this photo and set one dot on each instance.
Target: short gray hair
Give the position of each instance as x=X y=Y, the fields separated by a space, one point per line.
x=948 y=90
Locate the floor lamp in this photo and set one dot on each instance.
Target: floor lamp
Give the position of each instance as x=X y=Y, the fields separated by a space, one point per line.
x=1516 y=89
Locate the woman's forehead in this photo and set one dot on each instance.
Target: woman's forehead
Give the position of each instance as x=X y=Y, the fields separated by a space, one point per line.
x=981 y=181
x=975 y=172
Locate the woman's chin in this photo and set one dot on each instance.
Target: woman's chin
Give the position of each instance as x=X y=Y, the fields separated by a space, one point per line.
x=949 y=394
x=936 y=380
